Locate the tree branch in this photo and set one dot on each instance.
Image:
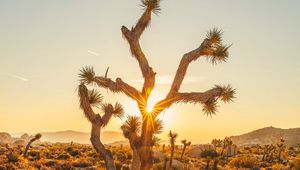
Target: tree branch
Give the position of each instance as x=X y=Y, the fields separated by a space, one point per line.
x=119 y=86
x=206 y=98
x=183 y=66
x=108 y=112
x=85 y=104
x=132 y=37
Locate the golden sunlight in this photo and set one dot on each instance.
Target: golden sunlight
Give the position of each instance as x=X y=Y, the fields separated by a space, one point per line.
x=152 y=100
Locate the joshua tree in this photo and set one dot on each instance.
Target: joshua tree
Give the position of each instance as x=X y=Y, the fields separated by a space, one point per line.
x=185 y=144
x=131 y=130
x=211 y=48
x=216 y=143
x=227 y=142
x=36 y=137
x=163 y=147
x=267 y=149
x=208 y=155
x=280 y=146
x=93 y=98
x=172 y=138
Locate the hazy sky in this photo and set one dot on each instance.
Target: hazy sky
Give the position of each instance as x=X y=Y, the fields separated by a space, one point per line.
x=44 y=44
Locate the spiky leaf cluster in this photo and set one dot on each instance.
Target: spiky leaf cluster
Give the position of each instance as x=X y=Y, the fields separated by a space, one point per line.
x=152 y=5
x=209 y=107
x=185 y=142
x=87 y=75
x=132 y=126
x=118 y=110
x=227 y=93
x=107 y=108
x=218 y=51
x=95 y=97
x=172 y=137
x=157 y=126
x=38 y=136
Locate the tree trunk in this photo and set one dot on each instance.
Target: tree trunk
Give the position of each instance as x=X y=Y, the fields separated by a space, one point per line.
x=171 y=157
x=136 y=162
x=145 y=151
x=26 y=149
x=184 y=146
x=99 y=147
x=207 y=165
x=279 y=156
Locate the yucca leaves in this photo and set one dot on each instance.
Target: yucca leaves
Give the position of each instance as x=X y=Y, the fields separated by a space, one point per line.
x=131 y=127
x=157 y=126
x=218 y=51
x=95 y=97
x=172 y=137
x=214 y=36
x=152 y=5
x=227 y=93
x=118 y=110
x=210 y=107
x=37 y=136
x=87 y=75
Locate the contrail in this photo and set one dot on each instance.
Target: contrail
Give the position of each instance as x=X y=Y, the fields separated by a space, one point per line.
x=93 y=52
x=15 y=76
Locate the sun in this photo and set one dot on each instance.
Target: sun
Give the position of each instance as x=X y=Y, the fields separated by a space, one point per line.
x=152 y=100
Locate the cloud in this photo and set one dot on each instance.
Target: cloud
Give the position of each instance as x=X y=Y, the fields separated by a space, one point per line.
x=15 y=76
x=93 y=52
x=168 y=79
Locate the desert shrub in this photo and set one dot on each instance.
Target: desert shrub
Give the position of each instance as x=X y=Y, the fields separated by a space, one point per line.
x=121 y=157
x=126 y=167
x=243 y=162
x=295 y=164
x=279 y=167
x=208 y=154
x=118 y=165
x=82 y=163
x=12 y=157
x=50 y=163
x=34 y=154
x=63 y=156
x=158 y=166
x=73 y=152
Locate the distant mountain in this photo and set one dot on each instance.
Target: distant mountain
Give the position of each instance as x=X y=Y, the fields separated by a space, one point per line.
x=68 y=136
x=268 y=135
x=80 y=137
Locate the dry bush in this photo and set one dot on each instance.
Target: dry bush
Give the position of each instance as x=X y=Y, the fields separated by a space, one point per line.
x=243 y=162
x=295 y=164
x=280 y=167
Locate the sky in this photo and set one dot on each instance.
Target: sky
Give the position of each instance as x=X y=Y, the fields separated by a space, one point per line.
x=45 y=43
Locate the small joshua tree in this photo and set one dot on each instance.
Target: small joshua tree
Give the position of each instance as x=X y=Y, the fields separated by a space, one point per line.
x=217 y=143
x=131 y=130
x=227 y=142
x=185 y=144
x=36 y=137
x=267 y=149
x=172 y=138
x=93 y=98
x=280 y=146
x=211 y=48
x=208 y=155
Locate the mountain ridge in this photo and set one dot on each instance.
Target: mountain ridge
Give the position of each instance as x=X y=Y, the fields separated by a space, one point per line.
x=268 y=135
